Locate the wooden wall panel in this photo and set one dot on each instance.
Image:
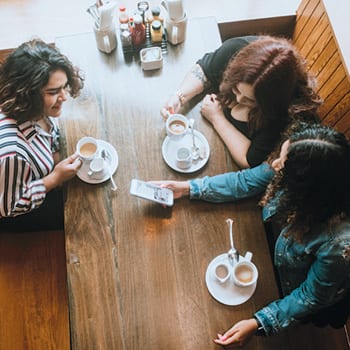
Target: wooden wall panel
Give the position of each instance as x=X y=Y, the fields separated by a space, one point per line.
x=304 y=13
x=314 y=37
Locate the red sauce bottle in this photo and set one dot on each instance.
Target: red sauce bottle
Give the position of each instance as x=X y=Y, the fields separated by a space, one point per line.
x=139 y=31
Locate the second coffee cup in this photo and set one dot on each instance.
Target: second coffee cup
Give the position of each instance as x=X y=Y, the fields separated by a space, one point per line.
x=176 y=126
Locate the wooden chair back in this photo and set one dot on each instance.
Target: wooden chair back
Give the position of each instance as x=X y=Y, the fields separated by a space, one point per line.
x=315 y=39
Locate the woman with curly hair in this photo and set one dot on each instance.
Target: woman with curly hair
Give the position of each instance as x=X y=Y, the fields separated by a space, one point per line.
x=309 y=199
x=260 y=86
x=34 y=82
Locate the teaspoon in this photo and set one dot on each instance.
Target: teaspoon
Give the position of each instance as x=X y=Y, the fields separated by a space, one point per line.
x=195 y=148
x=233 y=254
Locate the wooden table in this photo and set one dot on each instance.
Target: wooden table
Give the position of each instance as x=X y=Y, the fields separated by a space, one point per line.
x=136 y=271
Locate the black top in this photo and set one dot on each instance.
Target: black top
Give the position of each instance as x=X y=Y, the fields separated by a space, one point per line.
x=213 y=64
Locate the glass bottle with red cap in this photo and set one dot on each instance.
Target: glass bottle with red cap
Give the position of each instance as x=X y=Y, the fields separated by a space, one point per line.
x=139 y=31
x=123 y=15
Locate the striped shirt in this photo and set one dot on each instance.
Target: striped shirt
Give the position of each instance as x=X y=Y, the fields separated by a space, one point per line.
x=26 y=156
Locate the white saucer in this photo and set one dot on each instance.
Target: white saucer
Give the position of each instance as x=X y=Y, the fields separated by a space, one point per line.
x=226 y=293
x=169 y=149
x=109 y=169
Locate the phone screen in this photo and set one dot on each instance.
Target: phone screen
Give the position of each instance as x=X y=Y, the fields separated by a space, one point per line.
x=151 y=192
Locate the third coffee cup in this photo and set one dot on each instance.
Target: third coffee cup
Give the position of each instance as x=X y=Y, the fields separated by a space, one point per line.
x=244 y=273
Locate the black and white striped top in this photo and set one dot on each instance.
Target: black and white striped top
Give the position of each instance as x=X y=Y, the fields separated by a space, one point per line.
x=26 y=156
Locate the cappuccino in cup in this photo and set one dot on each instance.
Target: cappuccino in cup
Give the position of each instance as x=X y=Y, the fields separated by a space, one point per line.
x=176 y=126
x=87 y=148
x=245 y=273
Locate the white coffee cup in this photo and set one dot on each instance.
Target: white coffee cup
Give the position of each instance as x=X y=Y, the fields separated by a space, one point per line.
x=106 y=38
x=244 y=273
x=222 y=271
x=176 y=30
x=96 y=168
x=176 y=126
x=87 y=148
x=183 y=157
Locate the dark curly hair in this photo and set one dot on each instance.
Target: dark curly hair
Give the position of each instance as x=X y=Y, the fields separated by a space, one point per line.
x=313 y=187
x=278 y=74
x=26 y=71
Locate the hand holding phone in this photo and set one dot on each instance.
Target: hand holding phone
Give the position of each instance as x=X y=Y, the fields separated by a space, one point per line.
x=147 y=190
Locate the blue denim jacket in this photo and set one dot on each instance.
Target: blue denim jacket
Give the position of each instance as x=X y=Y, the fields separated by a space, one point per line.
x=315 y=273
x=232 y=186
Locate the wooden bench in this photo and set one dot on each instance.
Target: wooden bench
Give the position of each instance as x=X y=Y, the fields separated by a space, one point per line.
x=33 y=291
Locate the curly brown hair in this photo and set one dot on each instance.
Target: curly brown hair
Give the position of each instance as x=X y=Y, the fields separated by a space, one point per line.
x=282 y=86
x=26 y=71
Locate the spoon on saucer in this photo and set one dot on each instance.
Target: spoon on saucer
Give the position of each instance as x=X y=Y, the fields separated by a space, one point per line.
x=105 y=155
x=233 y=254
x=194 y=148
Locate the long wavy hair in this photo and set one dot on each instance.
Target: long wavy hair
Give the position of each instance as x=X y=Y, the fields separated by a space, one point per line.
x=313 y=187
x=24 y=74
x=278 y=74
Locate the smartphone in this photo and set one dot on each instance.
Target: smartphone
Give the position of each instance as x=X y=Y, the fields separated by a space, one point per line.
x=151 y=192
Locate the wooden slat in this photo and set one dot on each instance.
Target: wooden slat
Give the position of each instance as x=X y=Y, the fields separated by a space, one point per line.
x=343 y=124
x=329 y=88
x=336 y=105
x=303 y=15
x=314 y=27
x=317 y=42
x=318 y=60
x=323 y=77
x=314 y=37
x=33 y=291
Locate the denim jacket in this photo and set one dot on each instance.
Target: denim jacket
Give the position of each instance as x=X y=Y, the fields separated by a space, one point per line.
x=315 y=273
x=232 y=186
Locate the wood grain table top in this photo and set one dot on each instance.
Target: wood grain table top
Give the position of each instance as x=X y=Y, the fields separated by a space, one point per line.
x=136 y=270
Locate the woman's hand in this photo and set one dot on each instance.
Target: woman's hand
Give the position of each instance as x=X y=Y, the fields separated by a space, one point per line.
x=63 y=171
x=211 y=109
x=180 y=188
x=171 y=106
x=239 y=334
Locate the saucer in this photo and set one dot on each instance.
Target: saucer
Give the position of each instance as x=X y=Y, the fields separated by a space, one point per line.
x=110 y=168
x=169 y=151
x=226 y=293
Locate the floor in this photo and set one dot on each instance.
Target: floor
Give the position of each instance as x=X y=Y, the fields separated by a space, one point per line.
x=22 y=19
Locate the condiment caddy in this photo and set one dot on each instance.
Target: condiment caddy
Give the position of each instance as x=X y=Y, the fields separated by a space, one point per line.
x=143 y=29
